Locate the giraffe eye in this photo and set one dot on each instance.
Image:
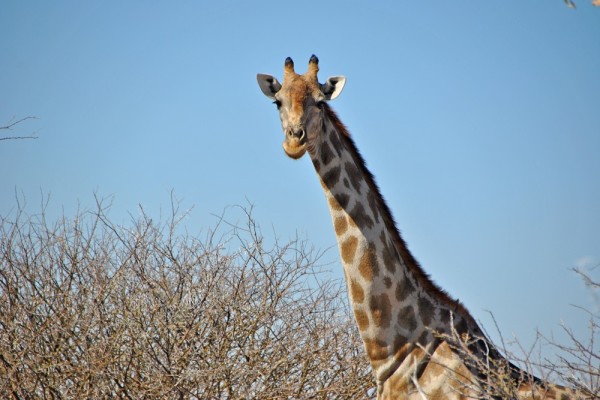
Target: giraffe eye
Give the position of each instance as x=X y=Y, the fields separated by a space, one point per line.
x=277 y=103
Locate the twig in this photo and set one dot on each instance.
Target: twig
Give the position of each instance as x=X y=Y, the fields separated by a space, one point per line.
x=12 y=124
x=18 y=137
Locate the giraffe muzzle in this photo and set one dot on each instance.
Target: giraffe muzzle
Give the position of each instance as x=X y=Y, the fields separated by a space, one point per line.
x=294 y=144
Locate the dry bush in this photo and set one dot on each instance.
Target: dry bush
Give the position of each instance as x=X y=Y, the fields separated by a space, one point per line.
x=504 y=372
x=579 y=360
x=90 y=309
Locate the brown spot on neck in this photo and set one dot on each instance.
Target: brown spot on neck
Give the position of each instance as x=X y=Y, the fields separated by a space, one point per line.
x=381 y=310
x=368 y=266
x=426 y=310
x=377 y=350
x=407 y=319
x=357 y=293
x=404 y=288
x=360 y=217
x=348 y=249
x=334 y=204
x=340 y=225
x=362 y=320
x=326 y=154
x=331 y=177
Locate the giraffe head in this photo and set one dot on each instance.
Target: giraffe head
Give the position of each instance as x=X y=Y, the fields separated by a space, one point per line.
x=299 y=101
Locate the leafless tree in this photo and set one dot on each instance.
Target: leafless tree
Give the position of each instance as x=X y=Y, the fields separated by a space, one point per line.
x=91 y=309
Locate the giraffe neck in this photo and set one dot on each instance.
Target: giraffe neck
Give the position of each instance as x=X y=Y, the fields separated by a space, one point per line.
x=409 y=326
x=395 y=304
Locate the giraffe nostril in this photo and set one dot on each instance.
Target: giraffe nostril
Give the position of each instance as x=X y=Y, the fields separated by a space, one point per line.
x=299 y=134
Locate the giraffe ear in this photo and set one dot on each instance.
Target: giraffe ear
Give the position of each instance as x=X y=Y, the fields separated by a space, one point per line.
x=333 y=87
x=268 y=84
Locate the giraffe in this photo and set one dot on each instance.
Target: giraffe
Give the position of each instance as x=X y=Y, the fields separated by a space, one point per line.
x=421 y=342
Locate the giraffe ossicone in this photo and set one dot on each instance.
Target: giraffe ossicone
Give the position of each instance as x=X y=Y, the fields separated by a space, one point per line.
x=422 y=343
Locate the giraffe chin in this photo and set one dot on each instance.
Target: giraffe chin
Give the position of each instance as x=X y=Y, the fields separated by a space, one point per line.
x=294 y=148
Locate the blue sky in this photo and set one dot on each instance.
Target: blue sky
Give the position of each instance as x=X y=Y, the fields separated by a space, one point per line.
x=480 y=121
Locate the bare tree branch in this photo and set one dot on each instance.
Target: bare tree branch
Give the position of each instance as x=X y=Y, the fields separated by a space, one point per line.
x=12 y=124
x=18 y=137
